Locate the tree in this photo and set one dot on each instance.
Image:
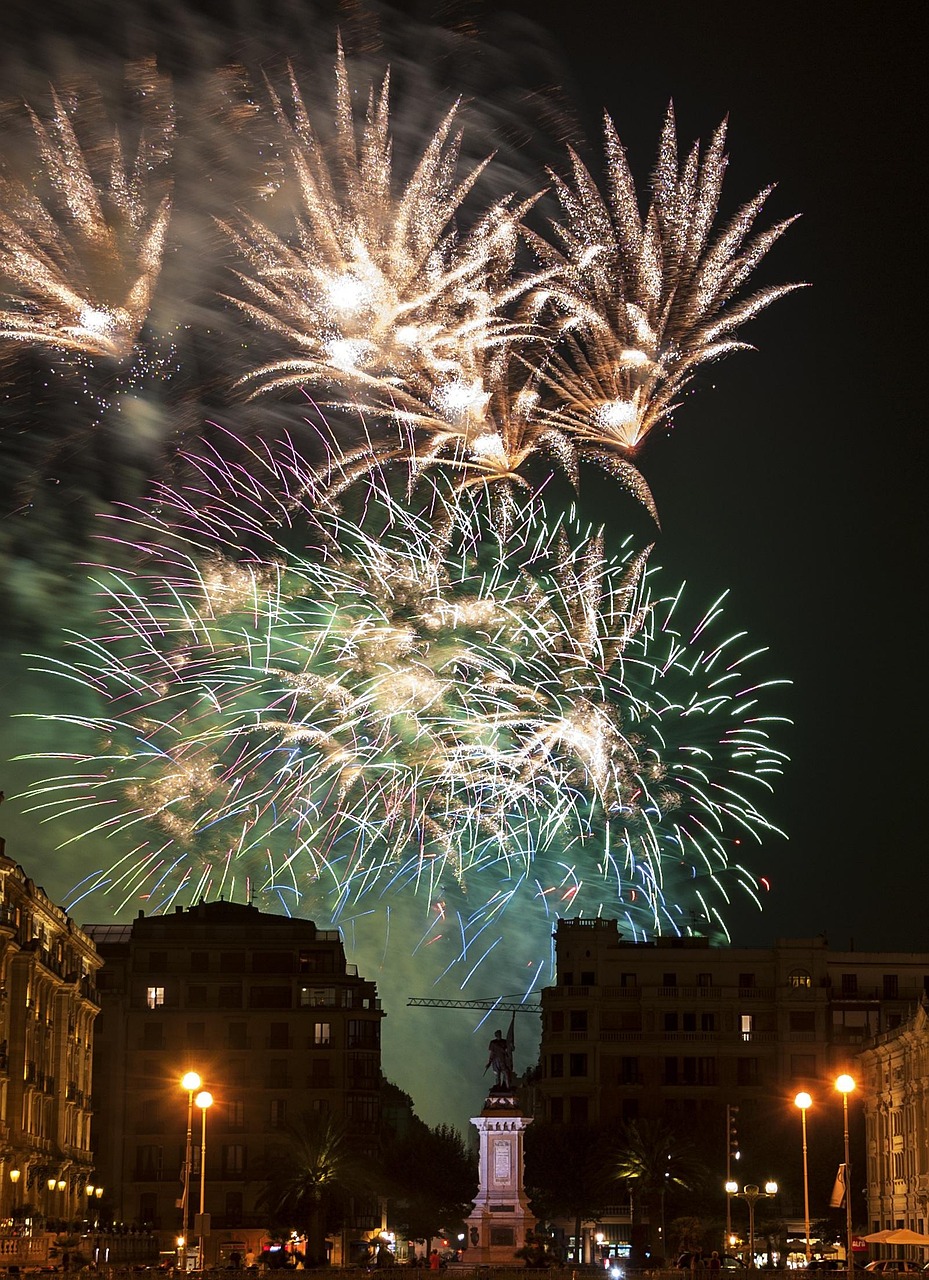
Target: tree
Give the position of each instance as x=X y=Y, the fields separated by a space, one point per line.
x=567 y=1173
x=650 y=1160
x=311 y=1177
x=432 y=1179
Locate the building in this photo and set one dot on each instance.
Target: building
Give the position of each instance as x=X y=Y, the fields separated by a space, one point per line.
x=717 y=1042
x=266 y=1011
x=894 y=1070
x=48 y=1004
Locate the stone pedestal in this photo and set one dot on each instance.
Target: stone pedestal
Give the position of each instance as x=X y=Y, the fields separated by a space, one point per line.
x=501 y=1215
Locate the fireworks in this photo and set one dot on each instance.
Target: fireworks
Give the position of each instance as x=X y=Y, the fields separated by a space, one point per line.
x=321 y=689
x=81 y=245
x=321 y=723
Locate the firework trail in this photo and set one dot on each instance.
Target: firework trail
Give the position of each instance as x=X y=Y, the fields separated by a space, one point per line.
x=356 y=717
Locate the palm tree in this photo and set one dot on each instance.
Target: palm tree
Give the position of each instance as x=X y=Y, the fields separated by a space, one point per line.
x=320 y=1163
x=649 y=1159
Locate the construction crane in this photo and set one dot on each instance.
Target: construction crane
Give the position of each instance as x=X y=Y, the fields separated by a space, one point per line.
x=500 y=1003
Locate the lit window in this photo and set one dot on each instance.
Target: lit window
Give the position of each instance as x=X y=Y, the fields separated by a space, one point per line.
x=746 y=1022
x=322 y=1032
x=155 y=997
x=800 y=978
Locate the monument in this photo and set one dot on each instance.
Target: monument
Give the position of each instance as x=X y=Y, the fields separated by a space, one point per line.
x=501 y=1216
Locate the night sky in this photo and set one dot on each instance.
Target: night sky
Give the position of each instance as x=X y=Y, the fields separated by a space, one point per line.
x=794 y=474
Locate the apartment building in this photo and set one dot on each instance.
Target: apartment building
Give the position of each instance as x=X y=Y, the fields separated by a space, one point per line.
x=266 y=1011
x=894 y=1071
x=48 y=1004
x=718 y=1041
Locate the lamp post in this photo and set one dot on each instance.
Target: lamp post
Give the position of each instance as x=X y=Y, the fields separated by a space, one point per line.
x=803 y=1101
x=204 y=1101
x=845 y=1085
x=751 y=1195
x=191 y=1082
x=15 y=1175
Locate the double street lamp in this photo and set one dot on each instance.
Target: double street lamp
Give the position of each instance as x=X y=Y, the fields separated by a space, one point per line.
x=751 y=1195
x=191 y=1082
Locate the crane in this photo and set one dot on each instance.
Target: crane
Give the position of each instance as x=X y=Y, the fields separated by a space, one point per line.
x=508 y=1006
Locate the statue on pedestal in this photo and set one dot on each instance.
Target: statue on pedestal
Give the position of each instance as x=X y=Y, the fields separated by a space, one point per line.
x=500 y=1058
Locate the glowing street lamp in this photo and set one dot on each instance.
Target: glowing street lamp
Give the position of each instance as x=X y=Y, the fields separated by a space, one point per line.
x=845 y=1085
x=204 y=1101
x=751 y=1195
x=191 y=1082
x=803 y=1101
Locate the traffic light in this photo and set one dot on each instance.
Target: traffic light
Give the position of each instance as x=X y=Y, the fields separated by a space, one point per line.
x=731 y=1113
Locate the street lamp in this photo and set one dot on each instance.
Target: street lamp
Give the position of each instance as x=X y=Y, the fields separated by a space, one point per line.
x=803 y=1101
x=845 y=1085
x=204 y=1101
x=191 y=1082
x=15 y=1176
x=751 y=1195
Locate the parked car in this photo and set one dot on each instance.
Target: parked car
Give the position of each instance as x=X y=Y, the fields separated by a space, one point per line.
x=893 y=1266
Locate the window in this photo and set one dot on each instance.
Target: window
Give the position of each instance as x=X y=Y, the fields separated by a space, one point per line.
x=155 y=997
x=269 y=998
x=230 y=997
x=200 y=961
x=320 y=1106
x=670 y=1022
x=320 y=1077
x=196 y=996
x=628 y=980
x=802 y=1020
x=232 y=961
x=707 y=1021
x=556 y=1110
x=800 y=978
x=669 y=979
x=688 y=1022
x=849 y=984
x=746 y=1025
x=577 y=1064
x=556 y=1065
x=746 y=1071
x=578 y=1020
x=578 y=1110
x=157 y=960
x=699 y=1071
x=628 y=1071
x=279 y=1036
x=235 y=1114
x=277 y=1113
x=361 y=1107
x=363 y=1034
x=152 y=1036
x=704 y=979
x=670 y=1070
x=277 y=1074
x=630 y=1109
x=588 y=978
x=149 y=1161
x=567 y=978
x=746 y=980
x=233 y=1208
x=196 y=1035
x=237 y=1035
x=272 y=962
x=233 y=1159
x=322 y=1033
x=890 y=986
x=557 y=1026
x=148 y=1207
x=317 y=997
